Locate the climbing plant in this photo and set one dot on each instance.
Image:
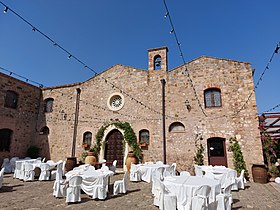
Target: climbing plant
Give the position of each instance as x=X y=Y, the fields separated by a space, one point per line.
x=199 y=155
x=129 y=137
x=238 y=160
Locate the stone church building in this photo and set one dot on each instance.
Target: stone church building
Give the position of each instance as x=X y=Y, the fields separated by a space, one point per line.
x=205 y=101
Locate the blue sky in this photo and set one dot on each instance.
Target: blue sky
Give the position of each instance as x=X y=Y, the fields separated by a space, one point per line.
x=108 y=32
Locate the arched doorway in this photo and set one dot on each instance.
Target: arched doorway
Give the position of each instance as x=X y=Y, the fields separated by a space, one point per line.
x=114 y=147
x=217 y=151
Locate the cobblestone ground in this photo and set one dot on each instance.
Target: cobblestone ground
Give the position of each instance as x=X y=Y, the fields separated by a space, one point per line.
x=16 y=194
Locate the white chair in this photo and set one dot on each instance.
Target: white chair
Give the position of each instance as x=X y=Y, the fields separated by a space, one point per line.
x=45 y=172
x=29 y=173
x=240 y=181
x=100 y=188
x=7 y=165
x=19 y=173
x=157 y=175
x=1 y=177
x=200 y=198
x=224 y=199
x=104 y=168
x=231 y=178
x=60 y=185
x=27 y=158
x=209 y=175
x=164 y=199
x=159 y=162
x=171 y=171
x=113 y=166
x=135 y=174
x=198 y=171
x=103 y=162
x=120 y=186
x=73 y=192
x=13 y=163
x=185 y=173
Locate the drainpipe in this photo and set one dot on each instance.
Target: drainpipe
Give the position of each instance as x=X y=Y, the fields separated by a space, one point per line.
x=163 y=120
x=76 y=121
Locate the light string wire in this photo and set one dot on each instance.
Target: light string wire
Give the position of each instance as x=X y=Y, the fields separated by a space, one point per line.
x=173 y=31
x=71 y=55
x=22 y=77
x=271 y=109
x=260 y=78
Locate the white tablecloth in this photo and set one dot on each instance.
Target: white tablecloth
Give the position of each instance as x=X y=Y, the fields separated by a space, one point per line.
x=90 y=177
x=184 y=188
x=148 y=169
x=220 y=172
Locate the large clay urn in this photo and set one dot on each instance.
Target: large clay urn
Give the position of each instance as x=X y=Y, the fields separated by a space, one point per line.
x=90 y=159
x=131 y=158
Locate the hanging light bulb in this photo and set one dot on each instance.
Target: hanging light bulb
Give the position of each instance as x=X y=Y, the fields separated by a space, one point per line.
x=33 y=29
x=166 y=14
x=6 y=9
x=172 y=30
x=69 y=56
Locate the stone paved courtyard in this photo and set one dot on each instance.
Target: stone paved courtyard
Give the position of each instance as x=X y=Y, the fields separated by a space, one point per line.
x=16 y=194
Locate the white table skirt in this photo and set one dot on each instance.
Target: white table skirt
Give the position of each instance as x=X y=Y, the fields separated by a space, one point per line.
x=148 y=169
x=184 y=188
x=90 y=178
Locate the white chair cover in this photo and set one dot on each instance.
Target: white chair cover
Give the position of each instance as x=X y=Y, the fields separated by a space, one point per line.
x=200 y=198
x=209 y=175
x=7 y=165
x=163 y=198
x=159 y=162
x=59 y=186
x=158 y=174
x=13 y=163
x=135 y=174
x=1 y=177
x=224 y=200
x=73 y=192
x=113 y=166
x=120 y=186
x=104 y=168
x=18 y=173
x=29 y=173
x=172 y=169
x=240 y=181
x=99 y=187
x=45 y=172
x=185 y=173
x=231 y=179
x=198 y=171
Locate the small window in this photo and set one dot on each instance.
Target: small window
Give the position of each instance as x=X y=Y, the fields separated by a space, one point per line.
x=5 y=139
x=176 y=127
x=144 y=137
x=87 y=138
x=11 y=99
x=212 y=98
x=44 y=131
x=157 y=62
x=49 y=104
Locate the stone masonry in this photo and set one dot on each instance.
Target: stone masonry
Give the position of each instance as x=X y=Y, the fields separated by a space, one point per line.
x=141 y=91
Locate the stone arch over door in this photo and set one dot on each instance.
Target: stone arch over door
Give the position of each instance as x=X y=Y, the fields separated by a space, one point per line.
x=110 y=133
x=217 y=154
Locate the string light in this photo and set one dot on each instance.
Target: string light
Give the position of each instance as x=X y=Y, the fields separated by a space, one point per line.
x=22 y=77
x=275 y=107
x=6 y=9
x=69 y=56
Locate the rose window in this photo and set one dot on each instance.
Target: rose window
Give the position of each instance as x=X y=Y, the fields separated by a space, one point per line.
x=116 y=102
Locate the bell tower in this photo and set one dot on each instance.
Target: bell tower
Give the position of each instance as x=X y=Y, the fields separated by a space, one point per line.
x=158 y=59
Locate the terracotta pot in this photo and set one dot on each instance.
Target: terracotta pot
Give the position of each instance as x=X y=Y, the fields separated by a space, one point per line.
x=90 y=159
x=131 y=158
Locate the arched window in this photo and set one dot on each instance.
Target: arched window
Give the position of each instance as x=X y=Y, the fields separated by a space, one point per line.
x=212 y=97
x=44 y=131
x=87 y=138
x=11 y=99
x=176 y=127
x=157 y=62
x=144 y=137
x=5 y=139
x=49 y=104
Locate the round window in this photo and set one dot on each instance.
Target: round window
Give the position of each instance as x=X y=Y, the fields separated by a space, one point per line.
x=116 y=102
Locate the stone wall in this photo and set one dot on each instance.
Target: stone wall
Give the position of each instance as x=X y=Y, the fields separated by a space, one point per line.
x=22 y=120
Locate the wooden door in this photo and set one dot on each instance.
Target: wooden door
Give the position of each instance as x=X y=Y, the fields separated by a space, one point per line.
x=217 y=152
x=114 y=147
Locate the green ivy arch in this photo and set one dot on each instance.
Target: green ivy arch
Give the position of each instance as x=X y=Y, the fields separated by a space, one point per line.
x=129 y=137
